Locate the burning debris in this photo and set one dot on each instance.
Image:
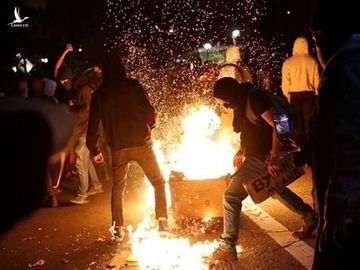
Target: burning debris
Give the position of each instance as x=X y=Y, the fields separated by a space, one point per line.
x=150 y=249
x=197 y=198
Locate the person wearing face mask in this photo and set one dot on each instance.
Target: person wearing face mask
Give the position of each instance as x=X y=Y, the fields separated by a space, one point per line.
x=261 y=153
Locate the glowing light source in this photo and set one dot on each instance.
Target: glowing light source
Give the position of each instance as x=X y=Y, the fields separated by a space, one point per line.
x=235 y=33
x=25 y=65
x=207 y=46
x=14 y=69
x=44 y=60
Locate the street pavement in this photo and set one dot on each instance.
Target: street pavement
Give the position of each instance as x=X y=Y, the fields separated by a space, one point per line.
x=77 y=236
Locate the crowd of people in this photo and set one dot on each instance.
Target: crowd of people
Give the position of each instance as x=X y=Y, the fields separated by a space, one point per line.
x=113 y=118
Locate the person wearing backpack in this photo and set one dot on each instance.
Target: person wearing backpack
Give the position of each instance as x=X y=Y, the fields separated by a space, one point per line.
x=260 y=148
x=299 y=83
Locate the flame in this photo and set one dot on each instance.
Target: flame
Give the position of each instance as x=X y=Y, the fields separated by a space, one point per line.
x=154 y=251
x=205 y=150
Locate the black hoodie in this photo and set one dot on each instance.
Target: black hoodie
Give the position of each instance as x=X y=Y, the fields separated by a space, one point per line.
x=123 y=107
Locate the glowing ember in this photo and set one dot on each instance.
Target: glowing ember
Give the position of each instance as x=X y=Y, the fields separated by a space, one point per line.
x=153 y=251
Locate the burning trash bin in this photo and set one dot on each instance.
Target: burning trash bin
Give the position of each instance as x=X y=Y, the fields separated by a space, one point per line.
x=197 y=198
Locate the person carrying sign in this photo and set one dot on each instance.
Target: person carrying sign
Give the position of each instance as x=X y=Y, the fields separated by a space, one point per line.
x=261 y=154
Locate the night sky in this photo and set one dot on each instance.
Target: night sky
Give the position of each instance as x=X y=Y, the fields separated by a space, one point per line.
x=87 y=24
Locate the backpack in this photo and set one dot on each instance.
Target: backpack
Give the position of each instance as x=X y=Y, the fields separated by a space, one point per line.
x=281 y=105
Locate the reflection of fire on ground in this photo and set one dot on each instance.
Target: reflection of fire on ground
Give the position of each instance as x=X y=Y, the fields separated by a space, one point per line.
x=203 y=154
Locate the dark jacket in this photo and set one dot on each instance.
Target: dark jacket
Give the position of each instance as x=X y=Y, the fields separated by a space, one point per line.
x=336 y=136
x=125 y=112
x=78 y=103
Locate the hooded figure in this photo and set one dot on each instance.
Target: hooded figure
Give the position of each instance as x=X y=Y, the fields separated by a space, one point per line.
x=300 y=72
x=300 y=80
x=233 y=67
x=127 y=116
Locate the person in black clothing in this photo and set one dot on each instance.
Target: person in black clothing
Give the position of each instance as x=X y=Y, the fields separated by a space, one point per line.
x=127 y=116
x=260 y=149
x=335 y=135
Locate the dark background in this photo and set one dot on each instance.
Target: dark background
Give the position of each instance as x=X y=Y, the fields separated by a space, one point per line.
x=52 y=24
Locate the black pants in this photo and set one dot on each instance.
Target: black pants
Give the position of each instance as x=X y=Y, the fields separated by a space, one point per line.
x=304 y=102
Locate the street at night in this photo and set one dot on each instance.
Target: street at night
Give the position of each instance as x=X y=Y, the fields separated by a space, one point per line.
x=180 y=135
x=77 y=237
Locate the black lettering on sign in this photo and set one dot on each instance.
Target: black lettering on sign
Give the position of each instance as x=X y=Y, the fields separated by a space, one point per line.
x=258 y=185
x=271 y=191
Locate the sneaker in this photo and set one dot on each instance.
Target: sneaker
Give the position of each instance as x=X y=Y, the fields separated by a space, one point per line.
x=119 y=233
x=95 y=190
x=79 y=199
x=308 y=227
x=223 y=255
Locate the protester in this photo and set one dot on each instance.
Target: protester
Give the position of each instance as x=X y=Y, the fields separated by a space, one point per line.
x=76 y=95
x=78 y=102
x=300 y=80
x=261 y=153
x=233 y=66
x=336 y=135
x=127 y=116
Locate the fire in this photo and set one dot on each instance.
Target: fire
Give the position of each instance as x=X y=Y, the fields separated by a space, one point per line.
x=154 y=251
x=205 y=150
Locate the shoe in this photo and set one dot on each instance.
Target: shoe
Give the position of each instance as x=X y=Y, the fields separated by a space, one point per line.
x=95 y=190
x=118 y=233
x=52 y=202
x=223 y=255
x=79 y=199
x=308 y=227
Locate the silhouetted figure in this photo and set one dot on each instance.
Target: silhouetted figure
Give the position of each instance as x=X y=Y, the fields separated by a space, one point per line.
x=32 y=132
x=123 y=108
x=336 y=135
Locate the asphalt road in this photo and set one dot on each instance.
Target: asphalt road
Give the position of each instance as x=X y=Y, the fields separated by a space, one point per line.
x=77 y=237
